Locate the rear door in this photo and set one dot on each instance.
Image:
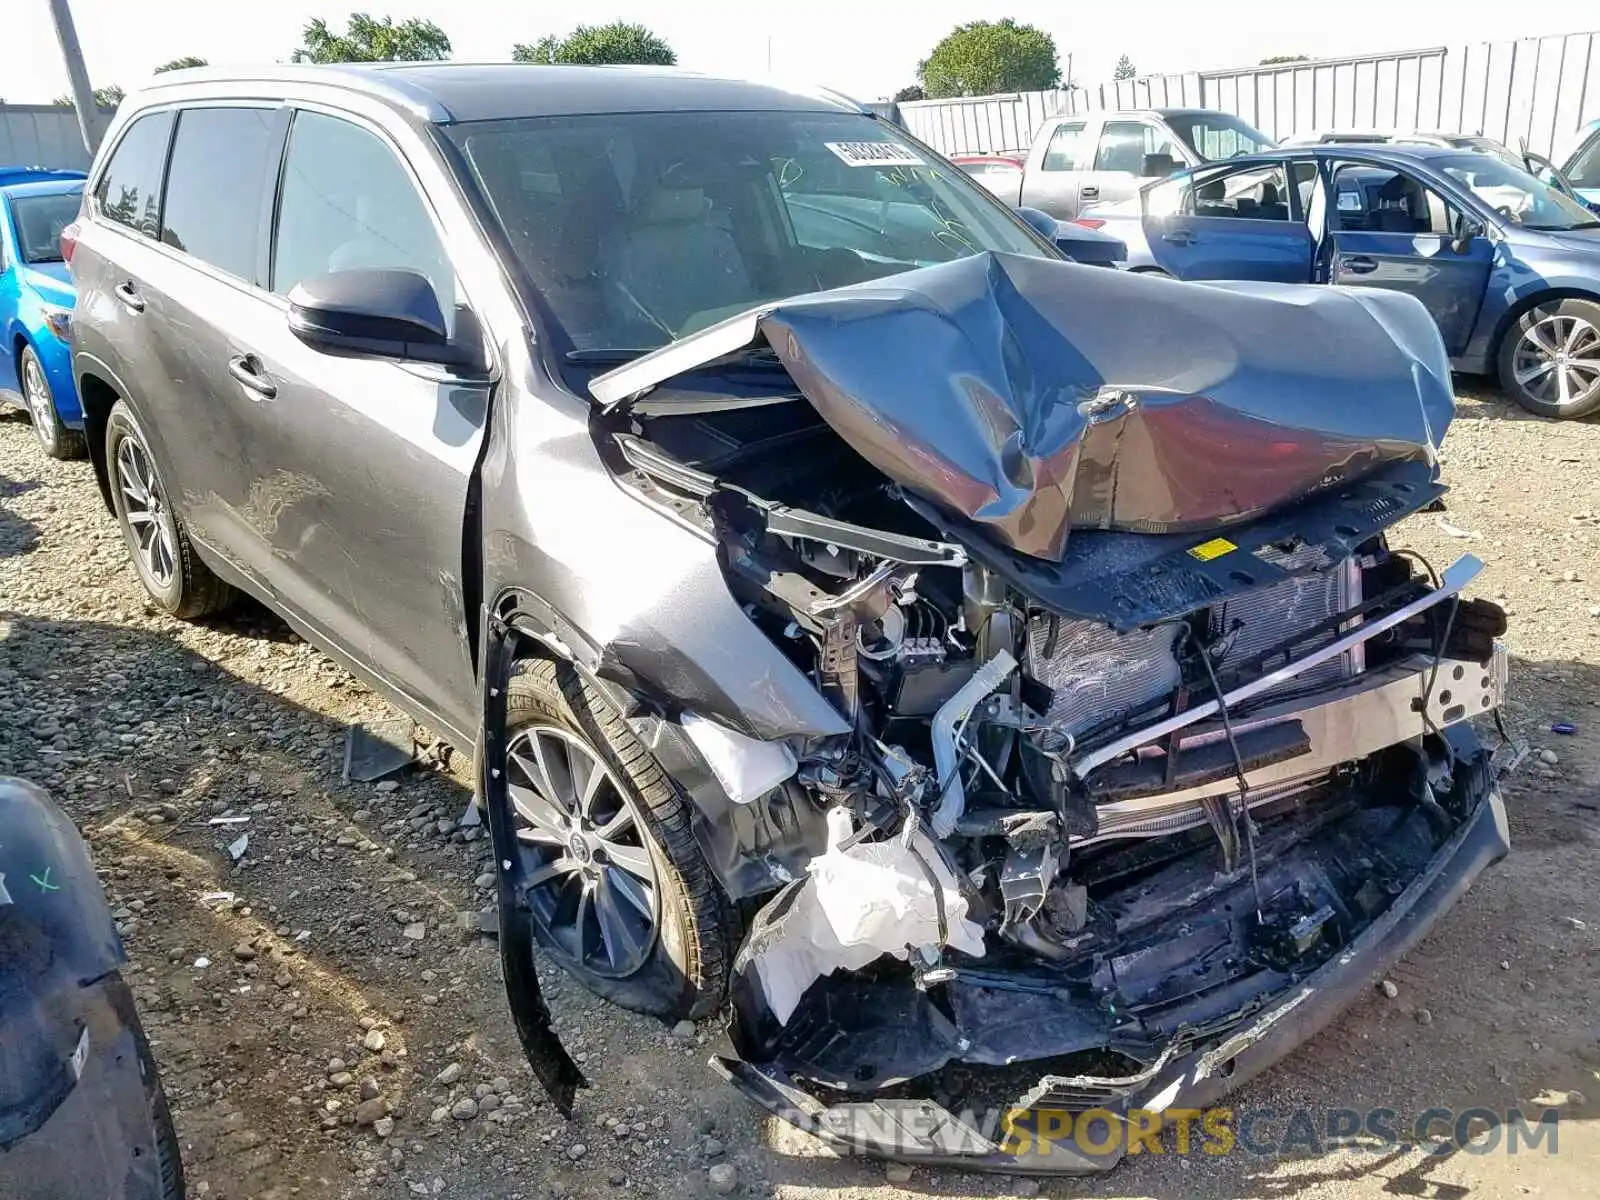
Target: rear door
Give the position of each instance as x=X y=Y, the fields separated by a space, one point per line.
x=1389 y=229
x=1239 y=222
x=1055 y=165
x=200 y=287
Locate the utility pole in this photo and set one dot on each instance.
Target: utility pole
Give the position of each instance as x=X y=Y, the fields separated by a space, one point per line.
x=90 y=123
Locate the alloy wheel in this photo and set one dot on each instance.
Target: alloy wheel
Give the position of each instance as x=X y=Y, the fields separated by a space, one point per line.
x=36 y=393
x=1557 y=360
x=144 y=507
x=591 y=880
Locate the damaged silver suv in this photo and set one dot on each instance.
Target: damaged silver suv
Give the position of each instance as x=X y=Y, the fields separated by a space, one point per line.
x=985 y=674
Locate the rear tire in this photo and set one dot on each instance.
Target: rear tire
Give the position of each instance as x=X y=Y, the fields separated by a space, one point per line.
x=158 y=545
x=55 y=439
x=1549 y=359
x=684 y=972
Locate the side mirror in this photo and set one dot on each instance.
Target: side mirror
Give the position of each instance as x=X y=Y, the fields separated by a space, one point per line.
x=379 y=312
x=1466 y=229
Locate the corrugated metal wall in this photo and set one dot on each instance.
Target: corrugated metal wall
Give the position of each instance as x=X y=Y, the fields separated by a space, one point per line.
x=41 y=135
x=1538 y=89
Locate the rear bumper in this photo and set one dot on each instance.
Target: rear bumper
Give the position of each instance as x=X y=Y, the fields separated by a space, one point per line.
x=924 y=1132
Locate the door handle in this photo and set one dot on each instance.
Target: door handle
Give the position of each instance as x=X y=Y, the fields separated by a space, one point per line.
x=1090 y=191
x=129 y=295
x=246 y=368
x=1179 y=237
x=1358 y=264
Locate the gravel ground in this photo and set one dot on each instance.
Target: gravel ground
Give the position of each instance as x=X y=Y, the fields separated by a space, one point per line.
x=329 y=1023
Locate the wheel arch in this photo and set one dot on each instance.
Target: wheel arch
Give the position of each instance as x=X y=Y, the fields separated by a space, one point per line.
x=99 y=391
x=1517 y=311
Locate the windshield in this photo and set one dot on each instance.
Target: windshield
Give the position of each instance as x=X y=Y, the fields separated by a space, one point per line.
x=1214 y=135
x=1515 y=194
x=39 y=221
x=640 y=228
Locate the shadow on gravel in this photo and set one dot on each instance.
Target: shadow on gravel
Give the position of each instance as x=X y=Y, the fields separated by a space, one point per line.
x=17 y=535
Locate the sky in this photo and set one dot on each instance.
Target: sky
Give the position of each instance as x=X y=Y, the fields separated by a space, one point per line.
x=865 y=48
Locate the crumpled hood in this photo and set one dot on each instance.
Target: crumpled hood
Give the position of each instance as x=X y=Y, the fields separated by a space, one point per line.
x=1032 y=396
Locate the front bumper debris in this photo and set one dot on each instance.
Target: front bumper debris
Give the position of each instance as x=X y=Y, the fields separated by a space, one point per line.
x=1192 y=1075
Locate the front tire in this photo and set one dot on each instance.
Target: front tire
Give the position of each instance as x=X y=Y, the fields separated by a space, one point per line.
x=152 y=529
x=621 y=895
x=1550 y=359
x=55 y=439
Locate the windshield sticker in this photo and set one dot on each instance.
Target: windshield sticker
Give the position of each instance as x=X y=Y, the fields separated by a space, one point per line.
x=874 y=154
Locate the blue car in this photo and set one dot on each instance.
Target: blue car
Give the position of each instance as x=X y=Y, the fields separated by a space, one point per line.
x=1508 y=266
x=36 y=299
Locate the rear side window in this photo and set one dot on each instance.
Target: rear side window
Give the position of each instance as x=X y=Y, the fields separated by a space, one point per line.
x=129 y=192
x=346 y=203
x=222 y=159
x=1065 y=151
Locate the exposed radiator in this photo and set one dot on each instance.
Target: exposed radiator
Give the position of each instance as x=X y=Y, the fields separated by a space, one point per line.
x=1096 y=673
x=1267 y=616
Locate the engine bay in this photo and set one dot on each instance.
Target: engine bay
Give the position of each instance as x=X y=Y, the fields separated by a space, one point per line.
x=1089 y=826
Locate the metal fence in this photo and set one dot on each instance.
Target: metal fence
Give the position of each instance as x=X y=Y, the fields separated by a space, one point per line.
x=41 y=135
x=1534 y=89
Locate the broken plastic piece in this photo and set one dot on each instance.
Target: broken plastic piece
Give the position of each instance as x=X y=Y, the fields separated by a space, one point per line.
x=859 y=904
x=744 y=766
x=382 y=748
x=946 y=754
x=1566 y=727
x=228 y=820
x=1455 y=531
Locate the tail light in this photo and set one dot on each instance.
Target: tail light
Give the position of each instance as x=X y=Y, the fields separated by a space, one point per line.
x=1086 y=222
x=69 y=243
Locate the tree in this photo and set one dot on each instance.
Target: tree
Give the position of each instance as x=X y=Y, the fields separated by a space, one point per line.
x=983 y=57
x=368 y=40
x=1283 y=58
x=104 y=97
x=594 y=45
x=182 y=64
x=1125 y=69
x=914 y=92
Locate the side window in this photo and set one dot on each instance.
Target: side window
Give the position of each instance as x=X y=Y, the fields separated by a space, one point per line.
x=1257 y=194
x=1304 y=174
x=129 y=192
x=1584 y=170
x=1137 y=148
x=346 y=203
x=1065 y=151
x=1379 y=200
x=222 y=160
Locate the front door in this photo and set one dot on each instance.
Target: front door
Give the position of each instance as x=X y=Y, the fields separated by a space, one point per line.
x=365 y=464
x=1229 y=223
x=1127 y=155
x=1390 y=230
x=1055 y=164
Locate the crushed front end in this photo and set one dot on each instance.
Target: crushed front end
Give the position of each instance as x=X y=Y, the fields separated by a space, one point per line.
x=1149 y=771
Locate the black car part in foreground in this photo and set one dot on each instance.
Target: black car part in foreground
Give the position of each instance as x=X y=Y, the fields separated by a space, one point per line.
x=81 y=1108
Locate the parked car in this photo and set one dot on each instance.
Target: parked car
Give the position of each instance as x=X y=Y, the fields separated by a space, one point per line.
x=808 y=576
x=1580 y=161
x=1508 y=266
x=36 y=299
x=82 y=1112
x=1000 y=173
x=1101 y=157
x=1535 y=164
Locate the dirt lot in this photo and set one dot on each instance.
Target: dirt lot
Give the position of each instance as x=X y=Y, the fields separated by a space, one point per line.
x=146 y=729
